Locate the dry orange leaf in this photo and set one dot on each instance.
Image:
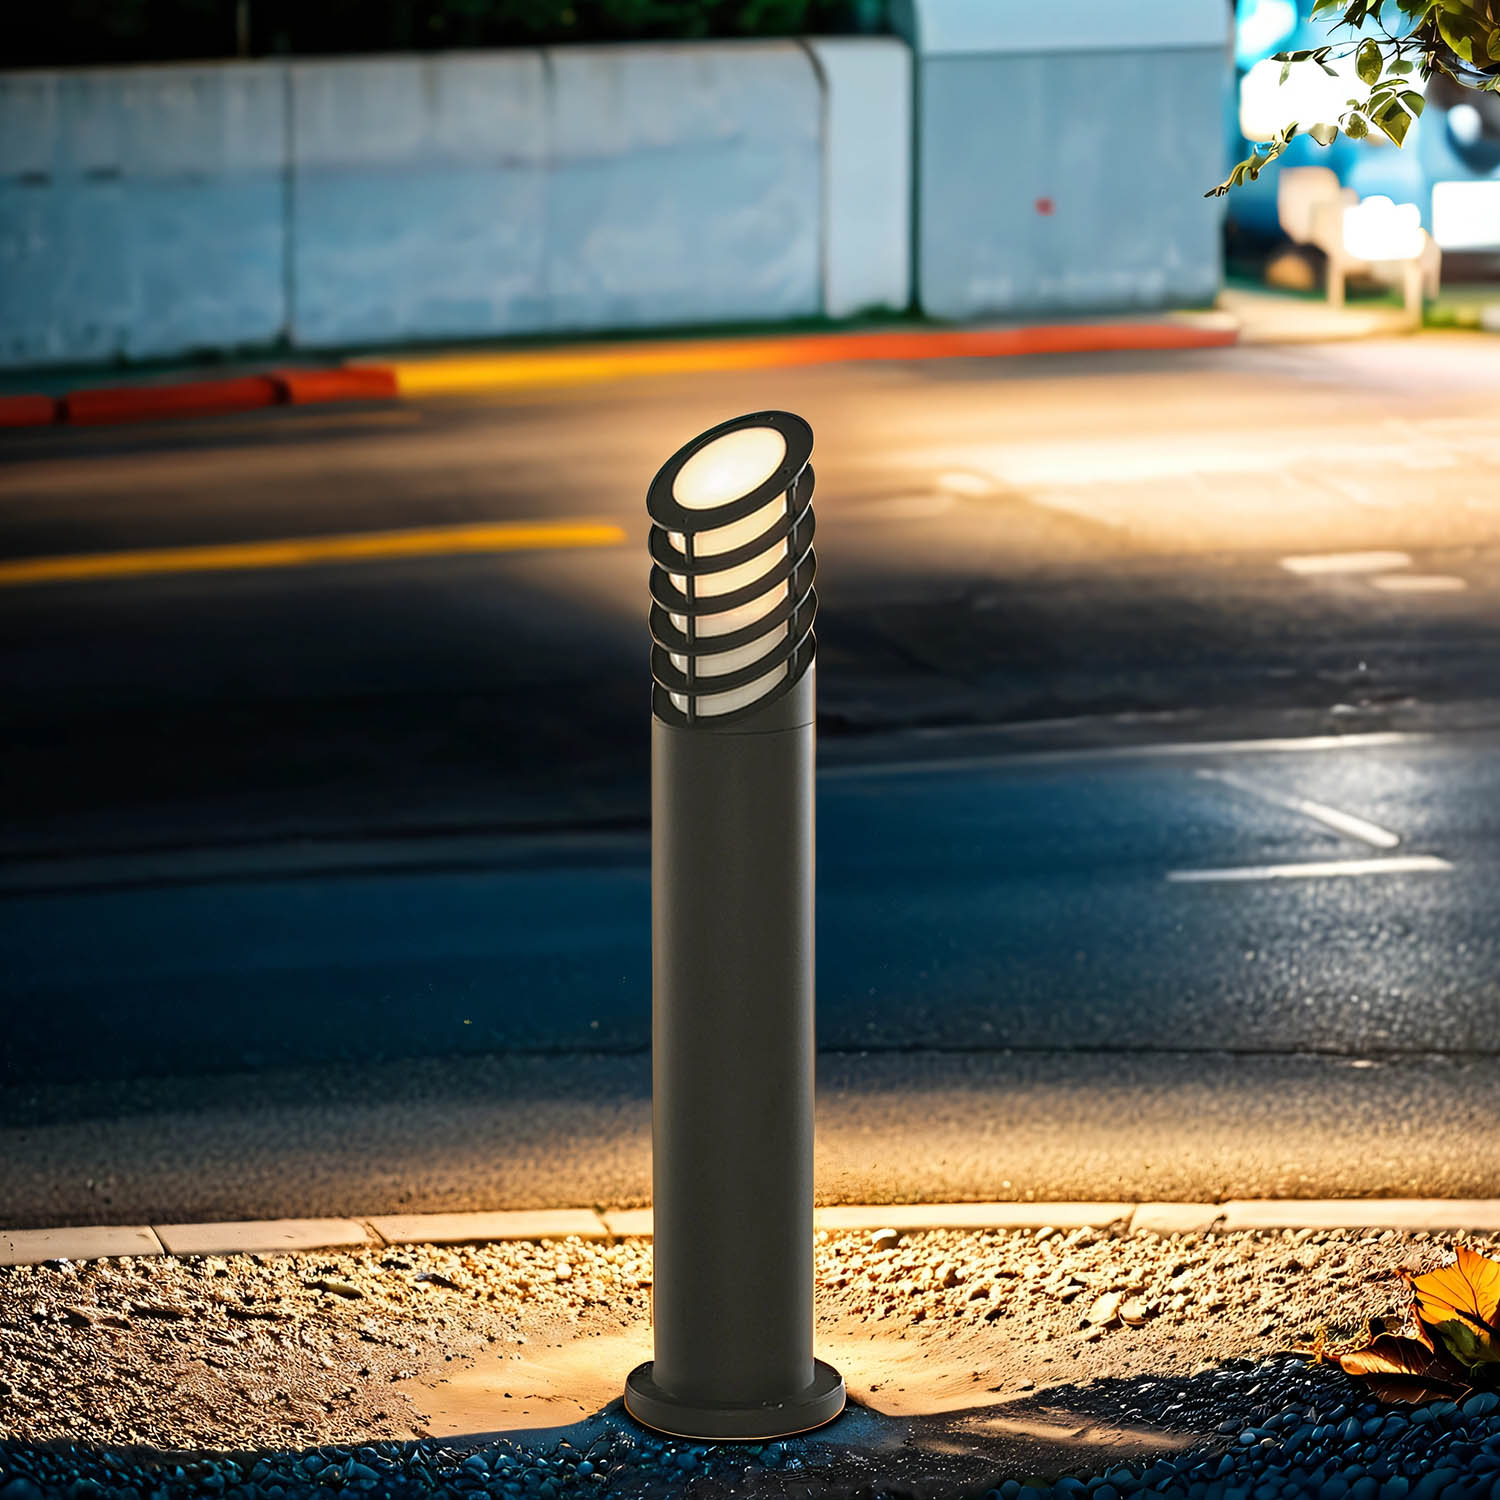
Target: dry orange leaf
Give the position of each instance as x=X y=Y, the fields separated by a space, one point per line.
x=1460 y=1305
x=1401 y=1369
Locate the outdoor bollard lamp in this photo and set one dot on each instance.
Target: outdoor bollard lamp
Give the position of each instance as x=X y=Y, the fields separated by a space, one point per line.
x=732 y=940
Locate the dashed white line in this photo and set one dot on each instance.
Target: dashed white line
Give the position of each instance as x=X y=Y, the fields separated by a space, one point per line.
x=965 y=482
x=1398 y=864
x=899 y=508
x=1331 y=817
x=1313 y=564
x=1001 y=760
x=1420 y=583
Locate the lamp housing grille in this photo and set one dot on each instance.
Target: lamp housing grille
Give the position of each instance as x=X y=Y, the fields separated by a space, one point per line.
x=732 y=597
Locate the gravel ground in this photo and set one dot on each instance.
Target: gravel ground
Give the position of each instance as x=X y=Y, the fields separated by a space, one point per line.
x=976 y=1363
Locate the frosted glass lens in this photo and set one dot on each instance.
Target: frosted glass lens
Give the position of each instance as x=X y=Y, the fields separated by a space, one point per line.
x=722 y=663
x=722 y=539
x=741 y=697
x=728 y=621
x=729 y=468
x=714 y=585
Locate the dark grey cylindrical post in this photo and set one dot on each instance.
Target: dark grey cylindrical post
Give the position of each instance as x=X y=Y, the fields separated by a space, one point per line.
x=732 y=940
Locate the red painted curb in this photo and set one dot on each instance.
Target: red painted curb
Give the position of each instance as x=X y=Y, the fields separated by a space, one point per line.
x=143 y=403
x=299 y=387
x=346 y=383
x=28 y=411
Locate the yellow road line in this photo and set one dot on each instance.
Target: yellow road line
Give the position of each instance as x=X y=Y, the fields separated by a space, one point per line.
x=304 y=551
x=427 y=377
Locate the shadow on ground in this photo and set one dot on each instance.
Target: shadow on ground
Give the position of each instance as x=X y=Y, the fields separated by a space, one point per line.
x=1141 y=1432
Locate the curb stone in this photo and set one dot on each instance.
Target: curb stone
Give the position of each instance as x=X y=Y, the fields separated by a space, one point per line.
x=29 y=1247
x=110 y=405
x=264 y=1237
x=451 y=374
x=480 y=1228
x=919 y=1216
x=1176 y=1218
x=388 y=379
x=20 y=1247
x=625 y=1223
x=1479 y=1214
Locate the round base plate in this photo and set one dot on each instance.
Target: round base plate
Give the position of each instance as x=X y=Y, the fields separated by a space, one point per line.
x=821 y=1402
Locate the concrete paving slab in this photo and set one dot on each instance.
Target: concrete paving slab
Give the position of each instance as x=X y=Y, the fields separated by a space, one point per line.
x=916 y=1216
x=628 y=1221
x=26 y=1247
x=1410 y=1214
x=476 y=1228
x=1176 y=1218
x=261 y=1236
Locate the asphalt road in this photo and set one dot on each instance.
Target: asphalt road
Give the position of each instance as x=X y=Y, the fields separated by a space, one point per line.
x=1055 y=902
x=309 y=821
x=1002 y=541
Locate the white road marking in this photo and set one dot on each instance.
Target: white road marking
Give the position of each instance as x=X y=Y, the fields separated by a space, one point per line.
x=1420 y=583
x=964 y=482
x=1359 y=828
x=1000 y=759
x=898 y=508
x=1313 y=564
x=1396 y=864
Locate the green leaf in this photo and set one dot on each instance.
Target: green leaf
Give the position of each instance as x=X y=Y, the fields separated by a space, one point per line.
x=1459 y=41
x=1250 y=168
x=1324 y=135
x=1414 y=102
x=1394 y=121
x=1356 y=127
x=1367 y=60
x=1286 y=68
x=1328 y=68
x=1400 y=67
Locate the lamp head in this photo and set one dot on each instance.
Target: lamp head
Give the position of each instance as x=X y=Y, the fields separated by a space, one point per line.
x=732 y=582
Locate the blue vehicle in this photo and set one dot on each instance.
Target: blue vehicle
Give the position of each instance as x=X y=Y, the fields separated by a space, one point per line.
x=1449 y=167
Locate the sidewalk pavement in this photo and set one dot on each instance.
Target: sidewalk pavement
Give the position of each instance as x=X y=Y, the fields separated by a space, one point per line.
x=1269 y=317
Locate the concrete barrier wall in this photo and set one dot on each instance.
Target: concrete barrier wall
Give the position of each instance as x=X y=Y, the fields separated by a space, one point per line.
x=685 y=184
x=1044 y=209
x=867 y=135
x=141 y=212
x=161 y=211
x=567 y=189
x=358 y=202
x=418 y=198
x=1064 y=152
